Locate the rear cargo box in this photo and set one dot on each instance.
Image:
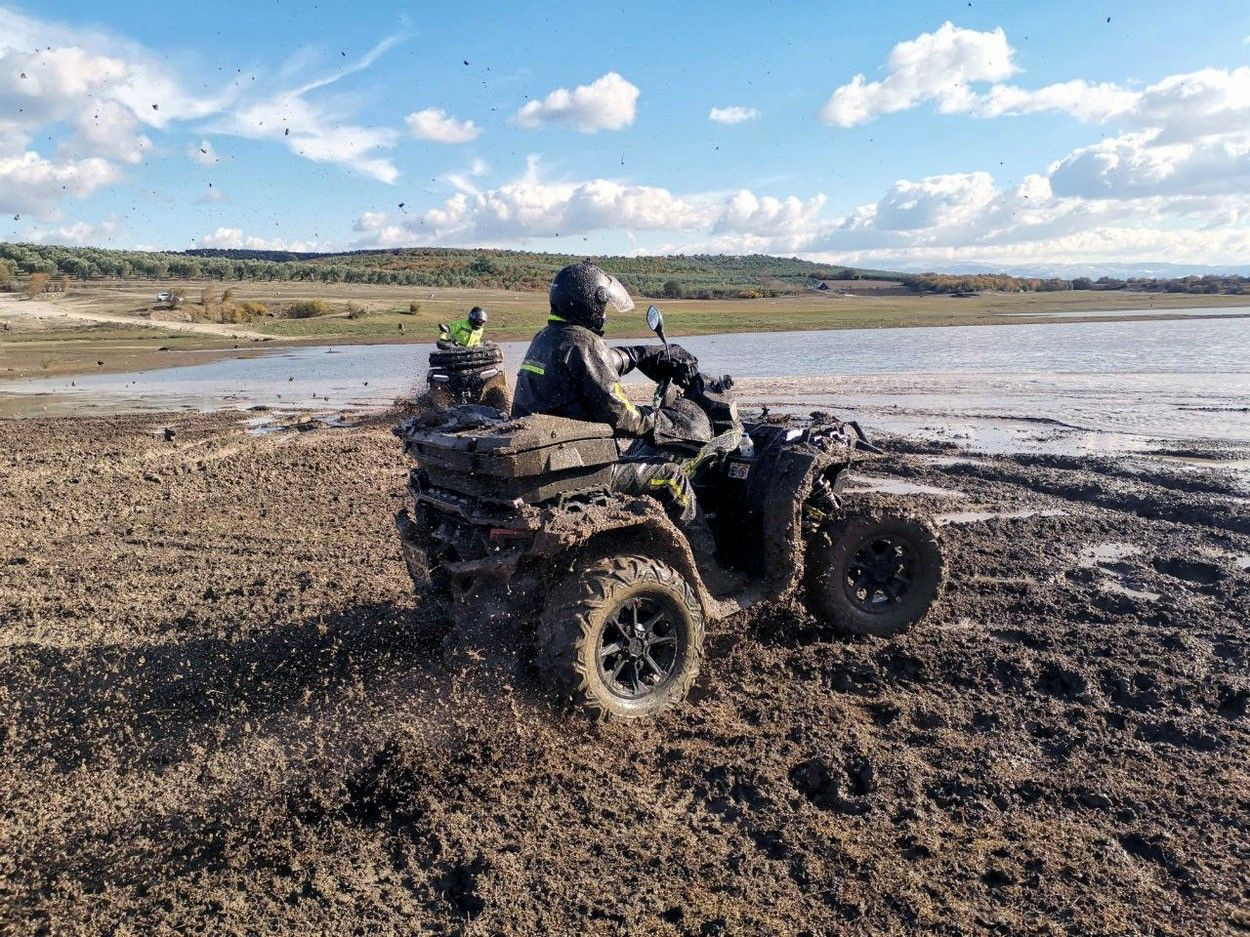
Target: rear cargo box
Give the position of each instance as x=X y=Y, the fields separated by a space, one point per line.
x=534 y=458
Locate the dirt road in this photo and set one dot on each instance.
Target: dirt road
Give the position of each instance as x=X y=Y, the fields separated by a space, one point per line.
x=221 y=710
x=13 y=307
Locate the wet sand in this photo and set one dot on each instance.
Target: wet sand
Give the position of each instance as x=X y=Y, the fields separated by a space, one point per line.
x=222 y=709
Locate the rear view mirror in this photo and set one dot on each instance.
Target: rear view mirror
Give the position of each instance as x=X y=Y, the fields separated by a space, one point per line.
x=655 y=319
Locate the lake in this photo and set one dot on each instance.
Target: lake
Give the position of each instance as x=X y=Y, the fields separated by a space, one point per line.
x=1173 y=379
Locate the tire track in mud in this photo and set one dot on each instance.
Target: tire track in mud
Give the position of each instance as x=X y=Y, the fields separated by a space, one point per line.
x=1216 y=503
x=204 y=729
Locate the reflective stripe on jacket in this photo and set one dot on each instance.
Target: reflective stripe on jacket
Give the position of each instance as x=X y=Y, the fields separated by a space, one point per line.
x=570 y=371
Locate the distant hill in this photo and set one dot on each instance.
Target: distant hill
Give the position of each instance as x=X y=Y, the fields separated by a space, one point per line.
x=694 y=276
x=1071 y=271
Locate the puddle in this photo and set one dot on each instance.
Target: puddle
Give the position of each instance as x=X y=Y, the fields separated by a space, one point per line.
x=283 y=422
x=1201 y=462
x=977 y=517
x=946 y=461
x=1102 y=554
x=1109 y=559
x=1240 y=560
x=262 y=426
x=897 y=486
x=1120 y=588
x=1192 y=311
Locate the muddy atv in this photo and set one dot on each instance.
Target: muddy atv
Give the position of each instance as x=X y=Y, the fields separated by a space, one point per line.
x=514 y=527
x=466 y=376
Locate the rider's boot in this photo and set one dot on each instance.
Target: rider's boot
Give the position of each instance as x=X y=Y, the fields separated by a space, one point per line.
x=718 y=579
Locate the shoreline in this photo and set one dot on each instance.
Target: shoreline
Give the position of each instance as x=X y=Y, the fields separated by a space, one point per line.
x=72 y=341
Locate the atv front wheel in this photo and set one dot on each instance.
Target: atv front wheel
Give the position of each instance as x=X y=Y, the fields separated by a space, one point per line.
x=874 y=574
x=622 y=638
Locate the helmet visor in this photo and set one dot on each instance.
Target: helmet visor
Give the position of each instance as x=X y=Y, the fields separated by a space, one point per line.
x=618 y=299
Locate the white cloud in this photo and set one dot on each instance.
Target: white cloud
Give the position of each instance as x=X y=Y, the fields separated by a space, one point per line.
x=93 y=91
x=203 y=153
x=966 y=217
x=74 y=68
x=109 y=130
x=80 y=233
x=101 y=95
x=1136 y=165
x=936 y=66
x=1109 y=244
x=789 y=220
x=1175 y=180
x=942 y=67
x=732 y=115
x=31 y=183
x=213 y=195
x=433 y=124
x=934 y=202
x=530 y=208
x=609 y=103
x=1084 y=101
x=315 y=131
x=226 y=238
x=1209 y=102
x=370 y=221
x=235 y=239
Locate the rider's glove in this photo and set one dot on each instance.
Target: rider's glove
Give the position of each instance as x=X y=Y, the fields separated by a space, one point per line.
x=680 y=364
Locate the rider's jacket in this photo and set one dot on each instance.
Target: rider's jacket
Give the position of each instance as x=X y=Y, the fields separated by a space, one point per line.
x=462 y=332
x=570 y=371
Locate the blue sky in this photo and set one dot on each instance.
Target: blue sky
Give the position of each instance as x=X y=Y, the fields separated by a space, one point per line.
x=974 y=132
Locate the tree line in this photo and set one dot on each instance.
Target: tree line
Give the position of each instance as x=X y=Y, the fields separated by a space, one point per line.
x=704 y=277
x=682 y=276
x=968 y=284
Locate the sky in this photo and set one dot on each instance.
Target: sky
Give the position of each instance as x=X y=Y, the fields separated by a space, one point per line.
x=912 y=134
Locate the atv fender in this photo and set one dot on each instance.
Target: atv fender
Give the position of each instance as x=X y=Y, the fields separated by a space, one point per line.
x=789 y=485
x=630 y=526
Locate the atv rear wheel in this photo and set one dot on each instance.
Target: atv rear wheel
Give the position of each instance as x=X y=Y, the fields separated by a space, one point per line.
x=874 y=574
x=622 y=638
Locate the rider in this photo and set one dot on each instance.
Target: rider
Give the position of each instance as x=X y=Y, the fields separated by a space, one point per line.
x=466 y=332
x=570 y=371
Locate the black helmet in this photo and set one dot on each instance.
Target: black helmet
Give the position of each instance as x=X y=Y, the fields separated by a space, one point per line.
x=582 y=293
x=477 y=317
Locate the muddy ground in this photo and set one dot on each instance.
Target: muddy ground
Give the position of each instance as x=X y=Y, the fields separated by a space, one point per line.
x=221 y=710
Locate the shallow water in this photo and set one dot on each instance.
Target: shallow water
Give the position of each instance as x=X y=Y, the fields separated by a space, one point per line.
x=1110 y=386
x=1213 y=311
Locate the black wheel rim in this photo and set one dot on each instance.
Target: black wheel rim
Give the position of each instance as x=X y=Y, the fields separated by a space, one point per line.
x=881 y=573
x=639 y=647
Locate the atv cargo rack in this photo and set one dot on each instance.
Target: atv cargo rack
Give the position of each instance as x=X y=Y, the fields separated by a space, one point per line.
x=534 y=459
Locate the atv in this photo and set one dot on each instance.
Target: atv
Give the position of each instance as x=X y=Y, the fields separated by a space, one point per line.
x=513 y=522
x=460 y=376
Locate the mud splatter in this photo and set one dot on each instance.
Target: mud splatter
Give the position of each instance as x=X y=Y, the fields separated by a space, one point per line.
x=222 y=709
